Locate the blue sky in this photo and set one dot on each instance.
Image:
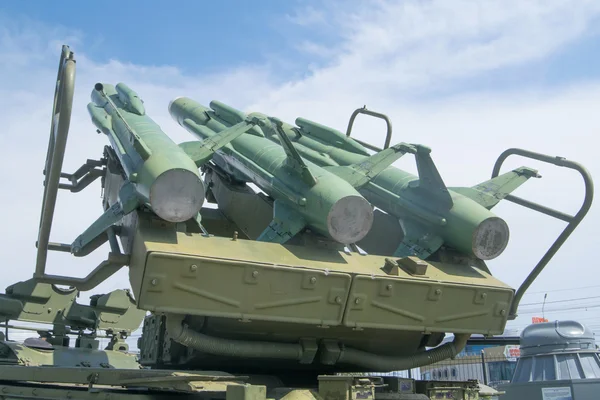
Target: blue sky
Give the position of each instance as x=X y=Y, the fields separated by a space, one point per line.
x=196 y=36
x=467 y=78
x=206 y=37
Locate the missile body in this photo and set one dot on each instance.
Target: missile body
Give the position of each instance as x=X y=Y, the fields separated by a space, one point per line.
x=429 y=213
x=305 y=194
x=157 y=172
x=163 y=175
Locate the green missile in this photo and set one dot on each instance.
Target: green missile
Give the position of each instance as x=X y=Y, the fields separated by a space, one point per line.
x=305 y=194
x=157 y=173
x=163 y=175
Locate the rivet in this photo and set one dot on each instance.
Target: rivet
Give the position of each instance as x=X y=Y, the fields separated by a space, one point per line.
x=313 y=279
x=254 y=274
x=193 y=267
x=154 y=282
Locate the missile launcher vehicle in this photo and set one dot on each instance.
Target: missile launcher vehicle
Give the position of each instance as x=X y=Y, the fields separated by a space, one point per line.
x=274 y=260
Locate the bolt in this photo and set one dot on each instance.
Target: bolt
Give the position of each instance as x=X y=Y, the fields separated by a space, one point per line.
x=388 y=287
x=483 y=295
x=503 y=312
x=254 y=274
x=438 y=291
x=49 y=310
x=193 y=267
x=338 y=300
x=313 y=280
x=154 y=282
x=235 y=235
x=357 y=300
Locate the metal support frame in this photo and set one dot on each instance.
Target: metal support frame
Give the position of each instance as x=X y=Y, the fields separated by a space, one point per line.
x=573 y=221
x=364 y=110
x=85 y=175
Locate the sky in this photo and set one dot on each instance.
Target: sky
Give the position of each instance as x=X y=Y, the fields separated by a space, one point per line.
x=467 y=78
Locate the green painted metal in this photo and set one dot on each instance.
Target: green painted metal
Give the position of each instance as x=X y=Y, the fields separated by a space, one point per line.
x=267 y=283
x=430 y=213
x=158 y=172
x=37 y=354
x=33 y=301
x=573 y=221
x=305 y=194
x=59 y=130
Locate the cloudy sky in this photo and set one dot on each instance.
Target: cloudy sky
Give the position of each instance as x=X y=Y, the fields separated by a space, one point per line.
x=467 y=78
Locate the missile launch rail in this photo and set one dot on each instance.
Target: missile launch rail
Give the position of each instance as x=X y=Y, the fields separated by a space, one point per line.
x=339 y=265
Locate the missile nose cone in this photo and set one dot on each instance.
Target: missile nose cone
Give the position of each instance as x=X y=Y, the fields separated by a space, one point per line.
x=490 y=238
x=177 y=195
x=350 y=219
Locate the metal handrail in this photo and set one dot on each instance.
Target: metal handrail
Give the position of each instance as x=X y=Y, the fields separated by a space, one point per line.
x=59 y=131
x=573 y=221
x=364 y=110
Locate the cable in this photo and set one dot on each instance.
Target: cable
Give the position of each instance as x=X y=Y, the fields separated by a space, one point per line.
x=561 y=309
x=560 y=301
x=562 y=290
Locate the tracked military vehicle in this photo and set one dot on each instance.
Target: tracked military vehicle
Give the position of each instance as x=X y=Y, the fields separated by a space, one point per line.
x=313 y=255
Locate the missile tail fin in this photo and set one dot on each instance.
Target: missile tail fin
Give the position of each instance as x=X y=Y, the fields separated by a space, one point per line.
x=417 y=241
x=202 y=151
x=285 y=225
x=430 y=179
x=361 y=173
x=294 y=160
x=492 y=191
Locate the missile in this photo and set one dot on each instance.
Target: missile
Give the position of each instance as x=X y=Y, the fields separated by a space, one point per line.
x=162 y=174
x=305 y=195
x=157 y=172
x=428 y=213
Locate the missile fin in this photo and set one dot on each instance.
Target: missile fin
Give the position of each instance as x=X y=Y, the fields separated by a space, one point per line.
x=492 y=191
x=417 y=241
x=294 y=160
x=128 y=201
x=430 y=179
x=361 y=173
x=202 y=151
x=285 y=225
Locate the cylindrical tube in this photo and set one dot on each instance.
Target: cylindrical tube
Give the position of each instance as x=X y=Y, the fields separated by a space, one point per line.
x=165 y=177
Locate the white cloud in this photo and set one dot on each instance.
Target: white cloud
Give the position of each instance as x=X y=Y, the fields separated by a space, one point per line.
x=389 y=54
